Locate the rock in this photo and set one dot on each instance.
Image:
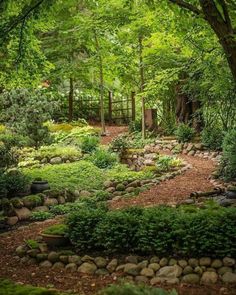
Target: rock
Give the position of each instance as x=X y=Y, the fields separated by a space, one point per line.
x=210 y=269
x=100 y=262
x=50 y=202
x=229 y=278
x=187 y=270
x=41 y=257
x=198 y=270
x=172 y=262
x=58 y=265
x=154 y=259
x=120 y=268
x=112 y=265
x=53 y=257
x=61 y=200
x=71 y=267
x=64 y=259
x=149 y=162
x=154 y=266
x=163 y=262
x=193 y=262
x=131 y=269
x=87 y=268
x=182 y=263
x=131 y=259
x=170 y=271
x=21 y=251
x=141 y=279
x=108 y=184
x=147 y=272
x=224 y=269
x=102 y=272
x=87 y=258
x=216 y=263
x=85 y=194
x=191 y=279
x=12 y=220
x=56 y=160
x=33 y=252
x=45 y=264
x=23 y=213
x=130 y=189
x=205 y=261
x=43 y=247
x=120 y=187
x=168 y=281
x=40 y=209
x=75 y=259
x=209 y=278
x=143 y=264
x=227 y=261
x=111 y=190
x=117 y=198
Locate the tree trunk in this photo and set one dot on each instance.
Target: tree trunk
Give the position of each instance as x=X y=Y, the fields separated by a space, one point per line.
x=71 y=100
x=101 y=78
x=223 y=29
x=141 y=69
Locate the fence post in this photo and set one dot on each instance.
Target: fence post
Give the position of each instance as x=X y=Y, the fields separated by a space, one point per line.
x=110 y=107
x=133 y=105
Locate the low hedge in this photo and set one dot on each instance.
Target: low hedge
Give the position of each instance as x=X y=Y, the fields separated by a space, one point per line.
x=161 y=230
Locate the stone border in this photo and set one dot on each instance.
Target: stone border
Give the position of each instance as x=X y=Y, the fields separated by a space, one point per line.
x=152 y=270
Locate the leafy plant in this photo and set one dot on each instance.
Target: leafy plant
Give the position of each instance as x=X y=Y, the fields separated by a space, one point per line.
x=57 y=229
x=212 y=138
x=119 y=144
x=103 y=159
x=164 y=163
x=41 y=216
x=32 y=244
x=184 y=133
x=89 y=144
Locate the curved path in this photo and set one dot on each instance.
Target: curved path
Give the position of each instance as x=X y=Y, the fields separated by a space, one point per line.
x=168 y=192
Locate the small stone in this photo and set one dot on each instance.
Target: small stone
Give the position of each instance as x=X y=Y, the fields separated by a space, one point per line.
x=40 y=209
x=53 y=257
x=168 y=281
x=100 y=262
x=143 y=264
x=33 y=252
x=71 y=267
x=216 y=263
x=132 y=259
x=112 y=265
x=42 y=257
x=87 y=268
x=102 y=272
x=147 y=272
x=221 y=271
x=130 y=189
x=205 y=261
x=56 y=160
x=120 y=187
x=61 y=200
x=64 y=259
x=227 y=261
x=191 y=279
x=229 y=278
x=131 y=269
x=12 y=220
x=172 y=262
x=50 y=202
x=23 y=213
x=58 y=265
x=21 y=251
x=75 y=259
x=182 y=263
x=108 y=184
x=209 y=278
x=193 y=262
x=141 y=279
x=111 y=190
x=120 y=268
x=87 y=258
x=170 y=271
x=154 y=266
x=85 y=194
x=163 y=262
x=188 y=270
x=210 y=269
x=154 y=259
x=45 y=264
x=43 y=247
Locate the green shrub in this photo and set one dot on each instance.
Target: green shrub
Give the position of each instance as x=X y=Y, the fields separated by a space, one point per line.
x=41 y=216
x=78 y=175
x=162 y=231
x=103 y=159
x=228 y=165
x=14 y=182
x=32 y=201
x=89 y=144
x=130 y=289
x=32 y=244
x=57 y=229
x=212 y=138
x=50 y=152
x=8 y=288
x=184 y=133
x=165 y=163
x=119 y=144
x=135 y=126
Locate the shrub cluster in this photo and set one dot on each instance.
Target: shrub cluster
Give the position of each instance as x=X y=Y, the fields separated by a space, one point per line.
x=160 y=230
x=212 y=138
x=184 y=133
x=103 y=159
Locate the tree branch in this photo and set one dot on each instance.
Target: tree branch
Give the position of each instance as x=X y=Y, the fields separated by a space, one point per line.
x=226 y=15
x=187 y=6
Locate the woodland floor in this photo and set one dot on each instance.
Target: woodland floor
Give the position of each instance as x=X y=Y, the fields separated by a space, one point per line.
x=168 y=192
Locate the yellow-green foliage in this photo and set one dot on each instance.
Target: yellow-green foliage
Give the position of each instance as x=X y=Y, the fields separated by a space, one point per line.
x=65 y=127
x=2 y=128
x=56 y=151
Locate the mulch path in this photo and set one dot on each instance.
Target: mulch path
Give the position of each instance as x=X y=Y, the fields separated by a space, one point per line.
x=112 y=132
x=175 y=190
x=168 y=192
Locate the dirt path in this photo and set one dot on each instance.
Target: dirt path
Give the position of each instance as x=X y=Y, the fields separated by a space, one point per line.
x=175 y=190
x=112 y=132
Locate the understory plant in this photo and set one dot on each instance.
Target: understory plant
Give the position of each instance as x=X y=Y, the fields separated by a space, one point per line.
x=212 y=137
x=184 y=132
x=103 y=158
